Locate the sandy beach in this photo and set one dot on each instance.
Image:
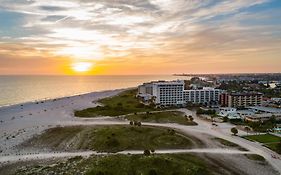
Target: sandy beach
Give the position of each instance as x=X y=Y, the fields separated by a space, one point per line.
x=22 y=121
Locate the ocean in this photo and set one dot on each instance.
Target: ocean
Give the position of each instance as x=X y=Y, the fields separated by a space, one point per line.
x=21 y=89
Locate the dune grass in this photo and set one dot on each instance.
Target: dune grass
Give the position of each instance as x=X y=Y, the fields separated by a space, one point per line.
x=255 y=157
x=110 y=138
x=162 y=117
x=229 y=144
x=123 y=103
x=167 y=164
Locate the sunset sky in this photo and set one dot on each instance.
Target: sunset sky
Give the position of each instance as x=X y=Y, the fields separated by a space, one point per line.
x=139 y=36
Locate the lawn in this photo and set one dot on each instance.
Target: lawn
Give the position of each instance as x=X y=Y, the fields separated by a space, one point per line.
x=264 y=138
x=124 y=103
x=162 y=117
x=110 y=138
x=268 y=140
x=273 y=147
x=168 y=164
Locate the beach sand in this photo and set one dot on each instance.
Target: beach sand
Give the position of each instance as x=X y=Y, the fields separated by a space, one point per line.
x=21 y=122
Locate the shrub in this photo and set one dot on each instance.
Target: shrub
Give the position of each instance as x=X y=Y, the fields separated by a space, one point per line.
x=234 y=131
x=146 y=152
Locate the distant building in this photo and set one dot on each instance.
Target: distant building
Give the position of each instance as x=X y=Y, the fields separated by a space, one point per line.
x=230 y=113
x=173 y=93
x=276 y=100
x=277 y=129
x=233 y=113
x=262 y=117
x=224 y=100
x=244 y=99
x=262 y=109
x=262 y=113
x=206 y=95
x=245 y=113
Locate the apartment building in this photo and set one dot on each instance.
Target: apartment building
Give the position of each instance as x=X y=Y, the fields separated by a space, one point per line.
x=244 y=99
x=206 y=95
x=173 y=93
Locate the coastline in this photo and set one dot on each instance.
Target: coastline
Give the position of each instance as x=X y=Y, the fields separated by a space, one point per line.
x=19 y=126
x=57 y=98
x=20 y=122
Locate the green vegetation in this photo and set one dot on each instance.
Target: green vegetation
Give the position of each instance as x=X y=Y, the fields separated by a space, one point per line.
x=124 y=103
x=226 y=142
x=263 y=126
x=264 y=138
x=165 y=164
x=229 y=144
x=110 y=138
x=234 y=131
x=206 y=112
x=270 y=141
x=162 y=117
x=255 y=157
x=274 y=147
x=250 y=86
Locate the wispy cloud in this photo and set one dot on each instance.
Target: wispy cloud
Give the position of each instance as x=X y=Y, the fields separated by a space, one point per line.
x=183 y=32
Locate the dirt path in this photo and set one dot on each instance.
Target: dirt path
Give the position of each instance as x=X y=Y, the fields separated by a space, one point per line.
x=51 y=155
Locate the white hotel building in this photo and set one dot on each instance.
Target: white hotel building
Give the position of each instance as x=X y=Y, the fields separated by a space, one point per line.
x=173 y=93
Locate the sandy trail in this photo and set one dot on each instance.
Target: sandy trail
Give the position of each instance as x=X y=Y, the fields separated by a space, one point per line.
x=51 y=155
x=21 y=122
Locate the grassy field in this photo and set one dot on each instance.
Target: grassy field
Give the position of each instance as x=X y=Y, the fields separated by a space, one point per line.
x=264 y=138
x=255 y=157
x=124 y=103
x=177 y=164
x=229 y=144
x=273 y=147
x=268 y=140
x=110 y=138
x=162 y=117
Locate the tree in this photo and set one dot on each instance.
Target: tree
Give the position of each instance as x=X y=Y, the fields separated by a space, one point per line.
x=225 y=119
x=146 y=152
x=234 y=131
x=247 y=128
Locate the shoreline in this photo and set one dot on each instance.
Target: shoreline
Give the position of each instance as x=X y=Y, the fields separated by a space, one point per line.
x=20 y=122
x=58 y=98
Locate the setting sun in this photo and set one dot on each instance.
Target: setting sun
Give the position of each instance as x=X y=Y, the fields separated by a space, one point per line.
x=82 y=66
